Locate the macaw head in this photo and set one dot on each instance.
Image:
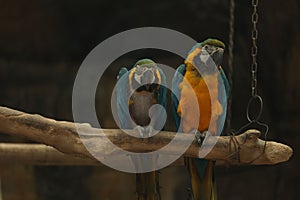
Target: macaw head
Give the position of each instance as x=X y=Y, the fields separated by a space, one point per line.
x=208 y=53
x=145 y=73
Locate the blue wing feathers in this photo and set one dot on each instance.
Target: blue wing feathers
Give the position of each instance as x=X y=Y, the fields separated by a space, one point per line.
x=223 y=95
x=162 y=96
x=175 y=96
x=122 y=101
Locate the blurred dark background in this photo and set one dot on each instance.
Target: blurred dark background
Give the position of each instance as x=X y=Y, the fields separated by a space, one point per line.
x=42 y=44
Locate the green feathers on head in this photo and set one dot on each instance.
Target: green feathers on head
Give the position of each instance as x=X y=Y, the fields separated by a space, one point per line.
x=145 y=61
x=213 y=42
x=209 y=41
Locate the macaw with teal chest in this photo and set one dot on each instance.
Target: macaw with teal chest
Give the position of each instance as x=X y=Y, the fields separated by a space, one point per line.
x=139 y=92
x=211 y=89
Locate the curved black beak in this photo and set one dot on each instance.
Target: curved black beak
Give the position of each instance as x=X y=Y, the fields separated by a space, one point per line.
x=148 y=77
x=217 y=56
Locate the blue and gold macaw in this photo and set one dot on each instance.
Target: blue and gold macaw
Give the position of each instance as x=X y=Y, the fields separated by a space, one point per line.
x=140 y=90
x=211 y=89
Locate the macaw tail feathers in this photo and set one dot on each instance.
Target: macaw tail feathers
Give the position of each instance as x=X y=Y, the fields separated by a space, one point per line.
x=147 y=186
x=202 y=179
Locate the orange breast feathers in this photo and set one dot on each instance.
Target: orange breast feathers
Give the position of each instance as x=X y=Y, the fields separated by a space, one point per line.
x=208 y=113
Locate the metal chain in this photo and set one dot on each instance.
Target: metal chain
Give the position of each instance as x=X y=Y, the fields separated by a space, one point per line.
x=254 y=49
x=254 y=66
x=230 y=62
x=255 y=97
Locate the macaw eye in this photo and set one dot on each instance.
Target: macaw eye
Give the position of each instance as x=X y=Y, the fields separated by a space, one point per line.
x=138 y=72
x=206 y=47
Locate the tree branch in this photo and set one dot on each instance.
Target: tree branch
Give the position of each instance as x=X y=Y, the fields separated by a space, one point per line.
x=38 y=154
x=63 y=136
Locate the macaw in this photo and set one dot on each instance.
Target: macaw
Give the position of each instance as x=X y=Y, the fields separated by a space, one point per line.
x=141 y=89
x=208 y=56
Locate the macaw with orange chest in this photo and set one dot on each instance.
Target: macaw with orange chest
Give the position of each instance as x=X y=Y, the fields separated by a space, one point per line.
x=202 y=76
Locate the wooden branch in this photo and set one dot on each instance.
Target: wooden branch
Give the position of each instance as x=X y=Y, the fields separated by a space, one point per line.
x=40 y=154
x=63 y=136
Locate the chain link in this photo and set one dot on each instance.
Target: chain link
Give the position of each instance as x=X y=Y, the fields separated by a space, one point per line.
x=254 y=49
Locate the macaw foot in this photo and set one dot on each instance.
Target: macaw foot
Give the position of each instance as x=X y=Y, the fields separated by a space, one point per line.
x=140 y=130
x=149 y=131
x=200 y=136
x=145 y=132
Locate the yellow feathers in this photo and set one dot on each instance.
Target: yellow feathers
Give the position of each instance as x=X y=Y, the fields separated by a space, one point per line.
x=130 y=77
x=190 y=58
x=158 y=76
x=205 y=100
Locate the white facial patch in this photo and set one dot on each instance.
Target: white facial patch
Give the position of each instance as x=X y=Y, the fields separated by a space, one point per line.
x=204 y=57
x=138 y=78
